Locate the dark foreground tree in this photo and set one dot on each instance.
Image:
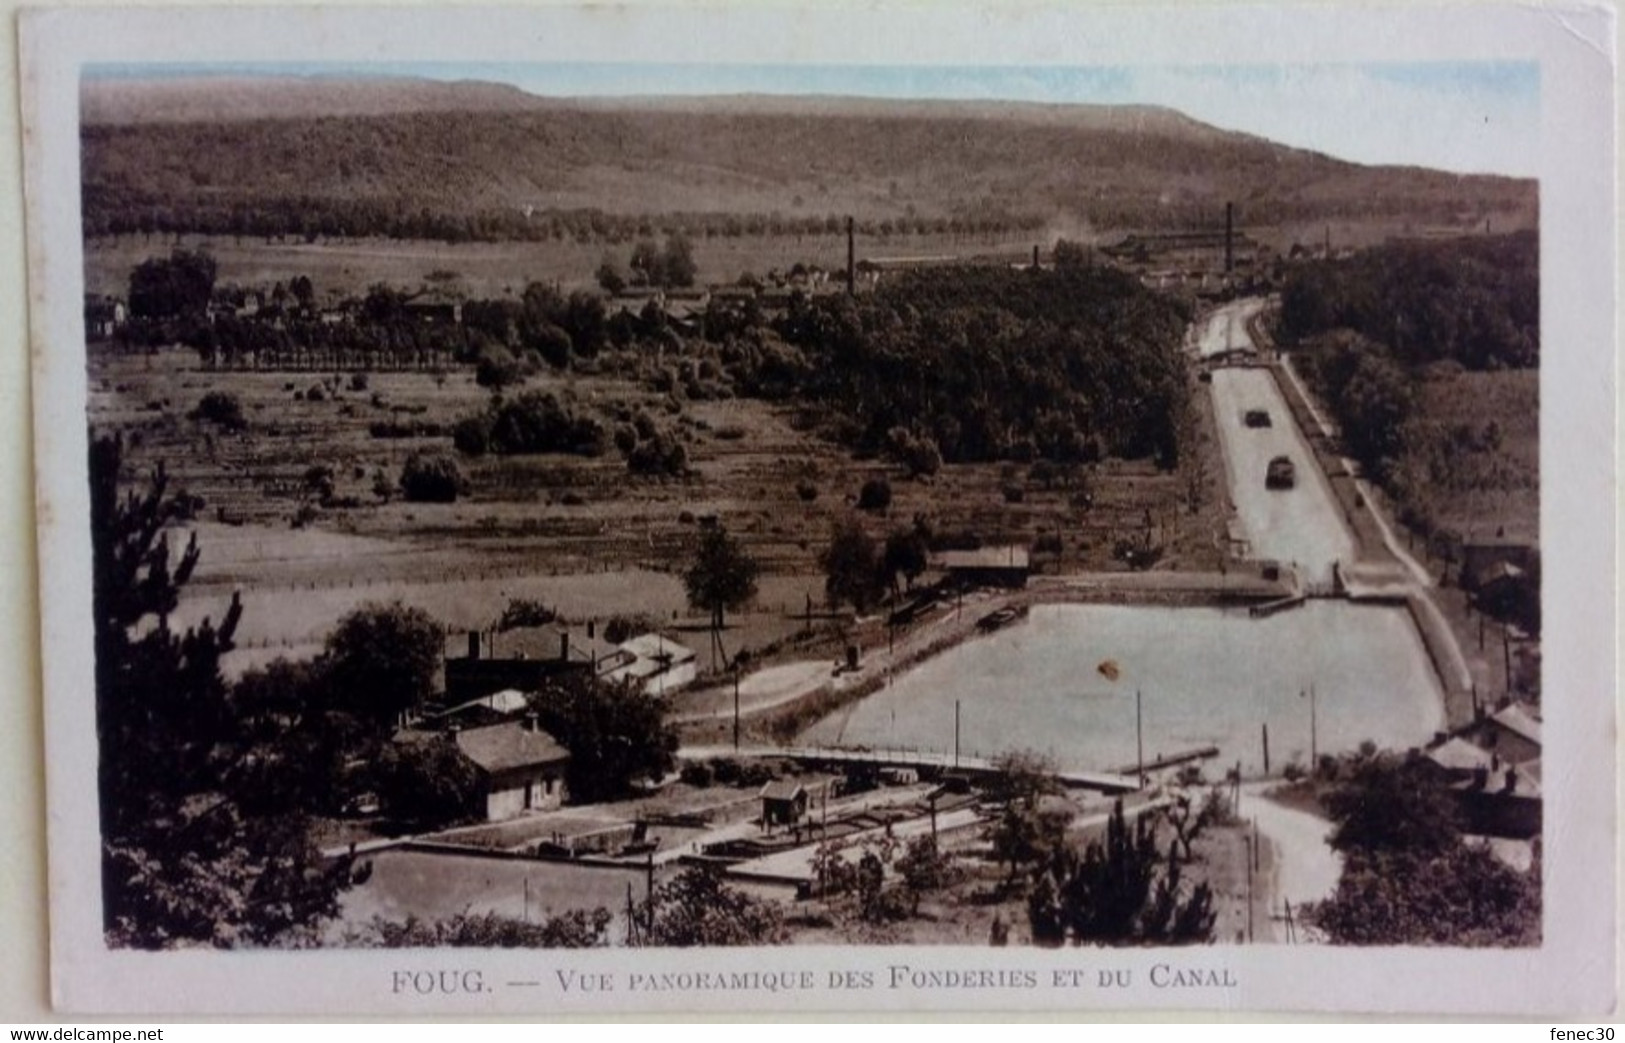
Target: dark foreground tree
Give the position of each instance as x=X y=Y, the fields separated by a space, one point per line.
x=1112 y=894
x=616 y=733
x=380 y=661
x=577 y=929
x=697 y=908
x=1459 y=896
x=1409 y=877
x=198 y=847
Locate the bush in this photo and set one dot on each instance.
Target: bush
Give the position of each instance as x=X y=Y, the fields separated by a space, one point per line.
x=918 y=453
x=222 y=409
x=472 y=435
x=696 y=773
x=431 y=478
x=497 y=368
x=807 y=491
x=525 y=612
x=875 y=495
x=661 y=455
x=358 y=381
x=535 y=422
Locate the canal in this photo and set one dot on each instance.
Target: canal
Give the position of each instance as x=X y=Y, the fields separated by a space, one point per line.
x=1063 y=682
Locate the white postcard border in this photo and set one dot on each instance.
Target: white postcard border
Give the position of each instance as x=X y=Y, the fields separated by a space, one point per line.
x=1573 y=972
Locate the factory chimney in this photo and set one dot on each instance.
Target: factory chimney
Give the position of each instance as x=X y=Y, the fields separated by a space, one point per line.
x=851 y=258
x=1229 y=237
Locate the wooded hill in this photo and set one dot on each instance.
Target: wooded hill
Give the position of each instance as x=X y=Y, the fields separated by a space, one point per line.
x=408 y=158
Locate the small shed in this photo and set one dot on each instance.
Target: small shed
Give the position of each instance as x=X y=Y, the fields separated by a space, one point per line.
x=784 y=803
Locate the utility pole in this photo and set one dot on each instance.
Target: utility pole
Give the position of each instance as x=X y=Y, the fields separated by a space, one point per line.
x=1265 y=729
x=1314 y=741
x=956 y=733
x=649 y=889
x=1139 y=739
x=1249 y=840
x=736 y=705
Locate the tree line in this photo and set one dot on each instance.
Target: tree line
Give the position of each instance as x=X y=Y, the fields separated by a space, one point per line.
x=1472 y=301
x=987 y=363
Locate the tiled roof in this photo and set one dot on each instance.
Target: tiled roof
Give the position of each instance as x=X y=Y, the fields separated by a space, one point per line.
x=1518 y=720
x=782 y=789
x=501 y=747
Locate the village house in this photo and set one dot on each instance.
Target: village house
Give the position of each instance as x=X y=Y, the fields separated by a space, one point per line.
x=521 y=767
x=659 y=665
x=487 y=709
x=525 y=658
x=1493 y=768
x=103 y=316
x=1487 y=561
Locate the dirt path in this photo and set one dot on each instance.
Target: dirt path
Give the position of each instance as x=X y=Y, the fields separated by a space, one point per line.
x=763 y=690
x=1306 y=868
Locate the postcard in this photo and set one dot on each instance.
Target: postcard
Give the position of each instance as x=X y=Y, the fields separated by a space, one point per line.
x=729 y=509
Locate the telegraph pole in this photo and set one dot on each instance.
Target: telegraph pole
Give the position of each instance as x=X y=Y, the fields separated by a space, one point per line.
x=736 y=705
x=956 y=733
x=1139 y=739
x=1314 y=744
x=1248 y=838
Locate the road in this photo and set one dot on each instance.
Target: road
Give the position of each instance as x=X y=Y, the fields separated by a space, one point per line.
x=1226 y=329
x=1306 y=869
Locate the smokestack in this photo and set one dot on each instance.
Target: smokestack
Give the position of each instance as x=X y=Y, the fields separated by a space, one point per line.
x=564 y=646
x=851 y=257
x=590 y=628
x=473 y=644
x=530 y=721
x=1229 y=237
x=1035 y=255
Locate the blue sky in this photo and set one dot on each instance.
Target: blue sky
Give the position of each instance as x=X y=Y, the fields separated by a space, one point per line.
x=1472 y=117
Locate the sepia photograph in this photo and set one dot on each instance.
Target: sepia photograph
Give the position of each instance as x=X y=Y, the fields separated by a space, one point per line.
x=828 y=532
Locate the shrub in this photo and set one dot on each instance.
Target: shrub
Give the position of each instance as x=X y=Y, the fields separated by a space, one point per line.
x=875 y=495
x=696 y=773
x=317 y=393
x=472 y=435
x=497 y=368
x=534 y=422
x=807 y=491
x=431 y=478
x=525 y=612
x=358 y=381
x=661 y=455
x=918 y=453
x=222 y=409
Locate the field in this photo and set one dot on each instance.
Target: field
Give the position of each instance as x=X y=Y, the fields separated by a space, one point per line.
x=348 y=267
x=1475 y=449
x=579 y=533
